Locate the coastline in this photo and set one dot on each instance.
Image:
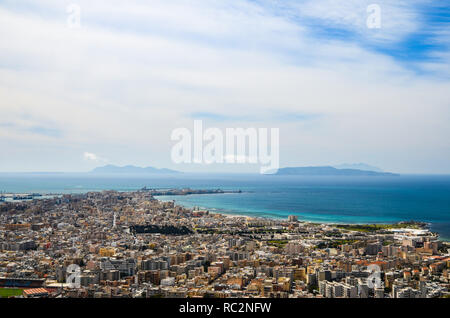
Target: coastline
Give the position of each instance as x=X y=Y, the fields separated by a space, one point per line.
x=132 y=235
x=230 y=214
x=226 y=214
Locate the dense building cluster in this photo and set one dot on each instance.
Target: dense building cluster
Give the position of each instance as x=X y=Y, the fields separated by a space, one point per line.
x=117 y=244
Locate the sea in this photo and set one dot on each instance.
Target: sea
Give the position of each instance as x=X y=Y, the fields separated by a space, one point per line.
x=353 y=199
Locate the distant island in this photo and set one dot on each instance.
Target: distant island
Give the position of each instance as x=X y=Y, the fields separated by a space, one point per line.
x=111 y=169
x=358 y=166
x=330 y=171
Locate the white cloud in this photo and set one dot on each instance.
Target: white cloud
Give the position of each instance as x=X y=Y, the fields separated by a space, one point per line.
x=123 y=81
x=89 y=156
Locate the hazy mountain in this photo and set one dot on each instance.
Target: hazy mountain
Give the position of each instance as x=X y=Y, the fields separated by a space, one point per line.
x=358 y=166
x=111 y=169
x=329 y=171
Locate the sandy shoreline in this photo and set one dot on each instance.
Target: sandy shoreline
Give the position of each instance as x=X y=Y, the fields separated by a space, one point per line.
x=323 y=223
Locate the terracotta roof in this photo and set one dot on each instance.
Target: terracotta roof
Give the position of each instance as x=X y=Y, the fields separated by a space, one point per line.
x=379 y=263
x=35 y=291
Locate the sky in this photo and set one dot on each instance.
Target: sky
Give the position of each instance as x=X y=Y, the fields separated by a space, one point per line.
x=111 y=88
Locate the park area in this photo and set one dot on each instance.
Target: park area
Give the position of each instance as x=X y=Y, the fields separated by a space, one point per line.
x=8 y=292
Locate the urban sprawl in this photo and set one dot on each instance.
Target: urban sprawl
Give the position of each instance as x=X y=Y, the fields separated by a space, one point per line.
x=129 y=244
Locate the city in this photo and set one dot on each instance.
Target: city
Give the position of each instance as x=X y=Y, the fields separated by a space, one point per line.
x=113 y=244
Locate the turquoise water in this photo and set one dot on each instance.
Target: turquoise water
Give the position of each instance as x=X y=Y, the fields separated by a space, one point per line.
x=320 y=199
